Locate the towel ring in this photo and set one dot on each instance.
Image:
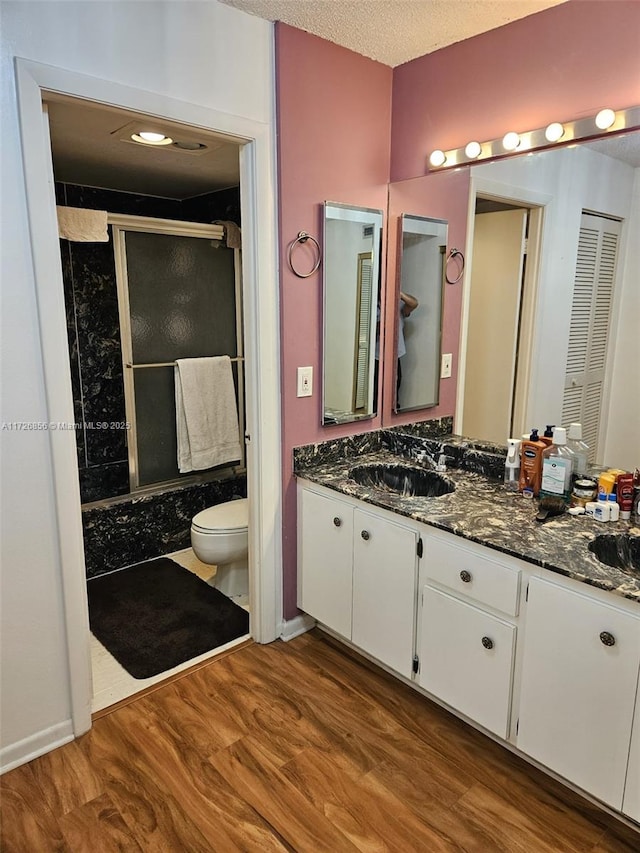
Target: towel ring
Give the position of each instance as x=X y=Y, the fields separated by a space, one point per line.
x=302 y=238
x=454 y=253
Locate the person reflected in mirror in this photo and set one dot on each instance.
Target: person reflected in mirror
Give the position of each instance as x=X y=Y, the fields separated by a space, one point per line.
x=407 y=306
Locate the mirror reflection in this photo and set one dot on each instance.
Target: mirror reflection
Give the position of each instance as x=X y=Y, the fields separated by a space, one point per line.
x=423 y=244
x=351 y=281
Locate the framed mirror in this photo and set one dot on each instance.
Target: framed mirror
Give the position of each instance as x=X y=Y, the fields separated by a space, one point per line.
x=351 y=290
x=422 y=252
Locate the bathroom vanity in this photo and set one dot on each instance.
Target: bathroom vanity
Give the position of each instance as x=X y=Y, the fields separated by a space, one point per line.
x=513 y=625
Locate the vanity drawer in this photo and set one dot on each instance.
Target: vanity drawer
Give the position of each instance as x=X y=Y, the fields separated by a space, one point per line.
x=471 y=572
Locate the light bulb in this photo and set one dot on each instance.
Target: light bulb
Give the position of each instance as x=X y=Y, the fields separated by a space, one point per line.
x=473 y=150
x=510 y=141
x=605 y=119
x=554 y=132
x=149 y=137
x=437 y=157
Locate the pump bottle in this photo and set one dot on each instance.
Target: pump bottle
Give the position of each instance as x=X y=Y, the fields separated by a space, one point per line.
x=557 y=467
x=512 y=465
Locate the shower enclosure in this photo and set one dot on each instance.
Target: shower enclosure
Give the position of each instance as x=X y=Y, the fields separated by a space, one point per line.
x=179 y=296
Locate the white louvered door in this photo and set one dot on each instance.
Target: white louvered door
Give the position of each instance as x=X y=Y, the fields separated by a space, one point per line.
x=590 y=318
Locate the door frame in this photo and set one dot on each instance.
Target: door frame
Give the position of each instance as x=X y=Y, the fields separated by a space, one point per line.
x=536 y=202
x=257 y=157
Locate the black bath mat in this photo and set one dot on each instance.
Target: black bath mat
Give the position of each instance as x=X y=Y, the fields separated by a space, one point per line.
x=156 y=615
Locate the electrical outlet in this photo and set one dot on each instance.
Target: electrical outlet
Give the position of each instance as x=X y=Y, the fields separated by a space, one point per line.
x=305 y=381
x=445 y=370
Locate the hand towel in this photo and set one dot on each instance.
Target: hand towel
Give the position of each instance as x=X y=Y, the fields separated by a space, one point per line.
x=233 y=235
x=81 y=225
x=206 y=413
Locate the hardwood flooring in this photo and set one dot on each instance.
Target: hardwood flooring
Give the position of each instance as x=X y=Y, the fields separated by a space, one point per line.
x=292 y=747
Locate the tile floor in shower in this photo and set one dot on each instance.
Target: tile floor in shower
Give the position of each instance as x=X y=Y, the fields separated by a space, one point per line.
x=112 y=683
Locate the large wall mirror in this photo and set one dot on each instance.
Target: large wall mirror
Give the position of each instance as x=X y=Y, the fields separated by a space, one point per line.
x=352 y=247
x=419 y=295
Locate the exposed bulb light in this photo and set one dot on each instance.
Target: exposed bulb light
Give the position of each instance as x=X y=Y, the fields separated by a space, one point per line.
x=605 y=119
x=510 y=141
x=554 y=132
x=437 y=158
x=148 y=137
x=473 y=150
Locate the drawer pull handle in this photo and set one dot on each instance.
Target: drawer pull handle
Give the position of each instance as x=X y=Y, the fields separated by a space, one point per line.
x=487 y=642
x=365 y=535
x=337 y=521
x=607 y=639
x=465 y=576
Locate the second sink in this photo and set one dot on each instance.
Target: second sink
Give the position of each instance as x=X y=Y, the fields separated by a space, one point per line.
x=620 y=551
x=402 y=480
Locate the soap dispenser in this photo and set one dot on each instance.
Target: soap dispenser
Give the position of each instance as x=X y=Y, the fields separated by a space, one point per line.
x=512 y=465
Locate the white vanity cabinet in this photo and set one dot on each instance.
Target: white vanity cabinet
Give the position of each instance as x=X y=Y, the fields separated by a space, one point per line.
x=631 y=802
x=578 y=691
x=357 y=576
x=466 y=652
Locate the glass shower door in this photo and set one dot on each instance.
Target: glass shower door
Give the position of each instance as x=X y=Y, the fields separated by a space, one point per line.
x=179 y=298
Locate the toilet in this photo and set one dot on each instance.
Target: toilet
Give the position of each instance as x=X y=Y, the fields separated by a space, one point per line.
x=219 y=537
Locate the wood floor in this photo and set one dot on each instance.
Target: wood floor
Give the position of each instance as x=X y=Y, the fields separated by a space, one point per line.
x=299 y=747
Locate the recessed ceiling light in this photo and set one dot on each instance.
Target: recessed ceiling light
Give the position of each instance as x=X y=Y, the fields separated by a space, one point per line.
x=189 y=146
x=148 y=137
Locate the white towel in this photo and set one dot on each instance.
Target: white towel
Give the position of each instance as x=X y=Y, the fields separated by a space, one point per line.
x=206 y=413
x=82 y=226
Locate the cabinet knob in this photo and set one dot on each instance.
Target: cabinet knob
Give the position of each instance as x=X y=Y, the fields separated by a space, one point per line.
x=465 y=576
x=337 y=521
x=487 y=642
x=607 y=639
x=365 y=535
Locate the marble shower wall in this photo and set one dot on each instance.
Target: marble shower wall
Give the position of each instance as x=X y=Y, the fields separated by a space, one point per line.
x=94 y=331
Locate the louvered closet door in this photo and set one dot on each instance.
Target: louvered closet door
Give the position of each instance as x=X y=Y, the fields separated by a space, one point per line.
x=590 y=318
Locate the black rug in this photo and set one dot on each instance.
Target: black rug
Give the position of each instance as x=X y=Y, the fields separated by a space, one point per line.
x=156 y=615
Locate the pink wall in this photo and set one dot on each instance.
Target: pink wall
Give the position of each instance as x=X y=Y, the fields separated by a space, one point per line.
x=563 y=63
x=334 y=132
x=441 y=196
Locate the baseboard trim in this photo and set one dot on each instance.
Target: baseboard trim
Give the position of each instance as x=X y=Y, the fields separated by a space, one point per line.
x=32 y=747
x=300 y=624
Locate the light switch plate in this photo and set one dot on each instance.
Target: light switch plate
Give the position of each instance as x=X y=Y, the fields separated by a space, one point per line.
x=445 y=370
x=305 y=381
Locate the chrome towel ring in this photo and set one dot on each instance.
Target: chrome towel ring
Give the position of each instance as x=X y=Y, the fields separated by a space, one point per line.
x=454 y=253
x=302 y=238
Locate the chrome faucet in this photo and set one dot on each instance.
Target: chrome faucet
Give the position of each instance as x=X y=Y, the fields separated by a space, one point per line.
x=423 y=456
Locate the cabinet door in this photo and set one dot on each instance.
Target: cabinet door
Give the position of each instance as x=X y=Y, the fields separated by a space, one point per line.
x=631 y=805
x=384 y=590
x=326 y=545
x=466 y=659
x=578 y=693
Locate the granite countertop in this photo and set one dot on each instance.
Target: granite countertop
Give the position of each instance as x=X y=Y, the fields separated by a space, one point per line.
x=481 y=510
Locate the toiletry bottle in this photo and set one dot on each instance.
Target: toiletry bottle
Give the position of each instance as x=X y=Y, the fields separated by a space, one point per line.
x=579 y=447
x=614 y=508
x=602 y=511
x=547 y=435
x=624 y=485
x=531 y=465
x=512 y=465
x=606 y=483
x=557 y=467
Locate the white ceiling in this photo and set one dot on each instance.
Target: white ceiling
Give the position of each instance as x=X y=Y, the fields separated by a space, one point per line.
x=393 y=31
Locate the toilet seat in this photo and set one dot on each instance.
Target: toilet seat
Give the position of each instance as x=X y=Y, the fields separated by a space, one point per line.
x=229 y=517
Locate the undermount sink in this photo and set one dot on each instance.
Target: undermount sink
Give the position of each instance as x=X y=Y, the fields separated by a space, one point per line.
x=403 y=480
x=620 y=551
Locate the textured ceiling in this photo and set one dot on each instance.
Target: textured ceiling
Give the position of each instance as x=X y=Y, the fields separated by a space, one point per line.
x=393 y=31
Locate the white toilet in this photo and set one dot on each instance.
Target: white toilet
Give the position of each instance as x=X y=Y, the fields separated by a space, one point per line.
x=219 y=537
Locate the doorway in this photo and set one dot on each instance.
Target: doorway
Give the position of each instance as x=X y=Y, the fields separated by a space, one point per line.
x=500 y=311
x=35 y=83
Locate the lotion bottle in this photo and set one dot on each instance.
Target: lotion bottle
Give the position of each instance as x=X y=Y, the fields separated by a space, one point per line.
x=531 y=464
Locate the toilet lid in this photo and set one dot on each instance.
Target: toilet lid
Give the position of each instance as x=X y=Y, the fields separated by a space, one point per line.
x=232 y=515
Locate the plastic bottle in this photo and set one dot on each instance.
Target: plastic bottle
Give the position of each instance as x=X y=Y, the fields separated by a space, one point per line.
x=579 y=448
x=602 y=512
x=531 y=464
x=624 y=485
x=557 y=467
x=614 y=508
x=547 y=435
x=512 y=465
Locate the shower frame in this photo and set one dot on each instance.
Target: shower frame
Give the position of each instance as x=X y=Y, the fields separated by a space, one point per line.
x=176 y=228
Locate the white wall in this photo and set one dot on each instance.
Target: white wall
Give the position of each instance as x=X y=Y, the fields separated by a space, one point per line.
x=573 y=180
x=201 y=53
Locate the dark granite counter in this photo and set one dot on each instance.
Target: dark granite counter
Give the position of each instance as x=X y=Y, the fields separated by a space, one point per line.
x=480 y=509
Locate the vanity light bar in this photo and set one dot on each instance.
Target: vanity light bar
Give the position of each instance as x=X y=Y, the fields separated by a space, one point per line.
x=606 y=121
